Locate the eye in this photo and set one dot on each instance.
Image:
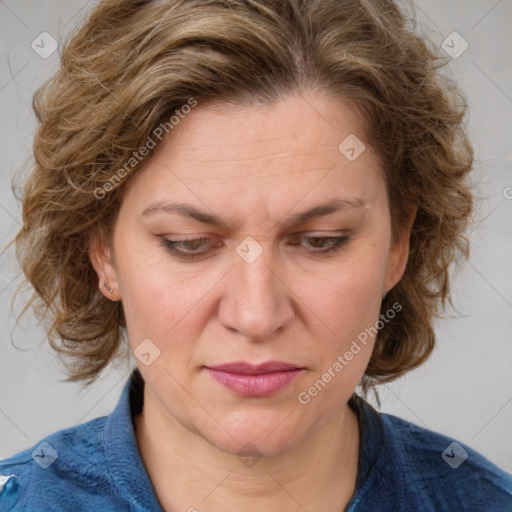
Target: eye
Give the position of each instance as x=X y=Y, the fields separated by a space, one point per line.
x=190 y=248
x=187 y=248
x=324 y=244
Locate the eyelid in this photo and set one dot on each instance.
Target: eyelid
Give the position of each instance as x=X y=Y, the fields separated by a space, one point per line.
x=320 y=233
x=340 y=240
x=299 y=234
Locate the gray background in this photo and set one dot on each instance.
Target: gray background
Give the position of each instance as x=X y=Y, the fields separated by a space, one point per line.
x=463 y=391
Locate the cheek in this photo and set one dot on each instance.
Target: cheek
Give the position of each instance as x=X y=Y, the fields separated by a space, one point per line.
x=350 y=308
x=348 y=298
x=157 y=301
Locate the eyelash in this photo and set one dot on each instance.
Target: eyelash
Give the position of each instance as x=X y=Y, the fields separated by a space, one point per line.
x=171 y=245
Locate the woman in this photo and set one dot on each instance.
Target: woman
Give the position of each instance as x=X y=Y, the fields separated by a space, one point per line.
x=261 y=200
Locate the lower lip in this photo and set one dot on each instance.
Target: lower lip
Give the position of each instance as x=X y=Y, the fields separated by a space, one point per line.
x=264 y=384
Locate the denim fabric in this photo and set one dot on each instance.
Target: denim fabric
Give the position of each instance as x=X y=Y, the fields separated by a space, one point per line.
x=96 y=466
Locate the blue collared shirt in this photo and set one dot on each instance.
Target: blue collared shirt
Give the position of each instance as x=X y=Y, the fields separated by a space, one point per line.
x=96 y=466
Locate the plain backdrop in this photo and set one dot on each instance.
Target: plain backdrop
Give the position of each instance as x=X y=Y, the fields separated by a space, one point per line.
x=463 y=391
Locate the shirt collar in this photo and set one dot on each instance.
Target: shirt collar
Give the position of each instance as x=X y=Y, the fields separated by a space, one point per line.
x=381 y=464
x=123 y=458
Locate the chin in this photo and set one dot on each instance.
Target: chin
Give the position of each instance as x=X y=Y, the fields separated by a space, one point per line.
x=256 y=434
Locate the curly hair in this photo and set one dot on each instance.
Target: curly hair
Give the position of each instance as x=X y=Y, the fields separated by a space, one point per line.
x=130 y=65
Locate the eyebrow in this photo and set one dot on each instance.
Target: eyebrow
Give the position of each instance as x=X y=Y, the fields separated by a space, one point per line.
x=210 y=218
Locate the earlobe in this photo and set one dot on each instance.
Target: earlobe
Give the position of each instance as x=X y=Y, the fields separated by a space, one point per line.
x=100 y=255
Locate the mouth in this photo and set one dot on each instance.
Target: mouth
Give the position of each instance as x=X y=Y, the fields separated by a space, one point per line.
x=254 y=380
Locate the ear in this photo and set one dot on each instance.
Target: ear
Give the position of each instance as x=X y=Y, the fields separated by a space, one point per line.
x=399 y=253
x=101 y=256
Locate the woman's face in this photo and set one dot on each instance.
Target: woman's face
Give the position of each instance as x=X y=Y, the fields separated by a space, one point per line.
x=271 y=273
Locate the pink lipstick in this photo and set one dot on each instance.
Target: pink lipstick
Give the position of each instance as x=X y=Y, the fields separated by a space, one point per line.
x=254 y=380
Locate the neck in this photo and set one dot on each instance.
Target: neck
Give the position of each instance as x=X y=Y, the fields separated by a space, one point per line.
x=188 y=473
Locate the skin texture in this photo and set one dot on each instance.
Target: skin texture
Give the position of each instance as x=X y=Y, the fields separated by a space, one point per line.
x=253 y=167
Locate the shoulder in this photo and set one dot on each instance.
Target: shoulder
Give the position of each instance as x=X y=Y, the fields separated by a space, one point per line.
x=59 y=469
x=447 y=474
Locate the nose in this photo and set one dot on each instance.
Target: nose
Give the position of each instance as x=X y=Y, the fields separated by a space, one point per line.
x=256 y=302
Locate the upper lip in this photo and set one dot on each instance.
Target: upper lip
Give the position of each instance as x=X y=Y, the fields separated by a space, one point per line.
x=251 y=369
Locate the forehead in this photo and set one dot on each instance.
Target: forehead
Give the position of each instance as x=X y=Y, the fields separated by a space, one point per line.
x=297 y=145
x=294 y=127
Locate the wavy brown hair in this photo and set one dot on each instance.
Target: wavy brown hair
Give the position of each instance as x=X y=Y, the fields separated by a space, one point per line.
x=131 y=64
